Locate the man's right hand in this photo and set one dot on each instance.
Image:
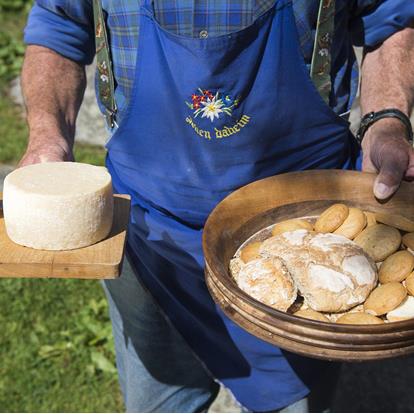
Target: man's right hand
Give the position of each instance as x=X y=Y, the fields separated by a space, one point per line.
x=51 y=150
x=53 y=88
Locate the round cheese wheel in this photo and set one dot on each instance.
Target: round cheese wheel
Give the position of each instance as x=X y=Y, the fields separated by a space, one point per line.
x=58 y=205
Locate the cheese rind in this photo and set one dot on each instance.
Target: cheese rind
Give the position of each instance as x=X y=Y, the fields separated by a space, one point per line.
x=58 y=206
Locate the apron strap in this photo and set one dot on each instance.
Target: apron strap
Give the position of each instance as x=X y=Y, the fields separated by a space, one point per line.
x=320 y=71
x=106 y=80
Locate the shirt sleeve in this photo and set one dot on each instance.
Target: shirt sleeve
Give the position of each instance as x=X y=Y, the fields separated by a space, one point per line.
x=373 y=21
x=65 y=26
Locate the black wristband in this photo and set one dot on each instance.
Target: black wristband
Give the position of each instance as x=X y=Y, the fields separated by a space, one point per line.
x=372 y=117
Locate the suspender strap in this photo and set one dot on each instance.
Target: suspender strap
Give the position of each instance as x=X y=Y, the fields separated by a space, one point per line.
x=320 y=71
x=105 y=85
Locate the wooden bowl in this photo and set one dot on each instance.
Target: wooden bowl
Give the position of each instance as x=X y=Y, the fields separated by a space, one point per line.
x=262 y=203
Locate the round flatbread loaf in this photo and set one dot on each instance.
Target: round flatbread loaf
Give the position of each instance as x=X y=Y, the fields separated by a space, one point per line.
x=311 y=314
x=396 y=267
x=268 y=280
x=250 y=252
x=353 y=224
x=402 y=312
x=379 y=241
x=331 y=218
x=385 y=298
x=359 y=318
x=291 y=225
x=235 y=266
x=332 y=273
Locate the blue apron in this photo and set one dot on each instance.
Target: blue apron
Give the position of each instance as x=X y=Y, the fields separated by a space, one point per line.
x=206 y=117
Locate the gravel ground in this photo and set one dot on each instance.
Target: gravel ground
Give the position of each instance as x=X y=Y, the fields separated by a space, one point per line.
x=381 y=386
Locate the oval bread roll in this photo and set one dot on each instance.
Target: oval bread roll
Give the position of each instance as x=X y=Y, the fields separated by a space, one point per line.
x=250 y=252
x=379 y=241
x=395 y=220
x=311 y=314
x=408 y=240
x=359 y=318
x=353 y=224
x=396 y=267
x=385 y=298
x=370 y=218
x=403 y=312
x=268 y=281
x=291 y=225
x=331 y=218
x=409 y=284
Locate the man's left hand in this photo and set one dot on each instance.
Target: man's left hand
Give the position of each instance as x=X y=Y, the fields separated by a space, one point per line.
x=387 y=152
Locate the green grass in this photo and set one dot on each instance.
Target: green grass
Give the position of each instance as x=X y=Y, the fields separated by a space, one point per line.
x=56 y=348
x=13 y=131
x=13 y=136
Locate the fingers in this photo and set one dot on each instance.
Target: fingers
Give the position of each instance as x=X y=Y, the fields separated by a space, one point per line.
x=410 y=169
x=393 y=165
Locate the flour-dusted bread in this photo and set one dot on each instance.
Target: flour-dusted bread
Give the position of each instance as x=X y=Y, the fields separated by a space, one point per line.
x=332 y=273
x=58 y=205
x=403 y=312
x=250 y=252
x=267 y=280
x=235 y=266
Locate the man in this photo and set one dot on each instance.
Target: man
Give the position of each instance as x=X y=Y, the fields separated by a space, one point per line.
x=209 y=96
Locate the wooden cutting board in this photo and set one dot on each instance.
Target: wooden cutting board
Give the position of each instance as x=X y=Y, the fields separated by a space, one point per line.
x=102 y=260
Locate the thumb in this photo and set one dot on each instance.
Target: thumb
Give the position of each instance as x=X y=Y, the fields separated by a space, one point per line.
x=390 y=175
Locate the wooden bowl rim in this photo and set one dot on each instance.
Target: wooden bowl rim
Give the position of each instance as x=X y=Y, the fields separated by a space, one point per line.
x=214 y=218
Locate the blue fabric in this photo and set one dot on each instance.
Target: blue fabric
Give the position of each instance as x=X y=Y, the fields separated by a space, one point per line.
x=157 y=370
x=66 y=27
x=68 y=31
x=393 y=15
x=178 y=163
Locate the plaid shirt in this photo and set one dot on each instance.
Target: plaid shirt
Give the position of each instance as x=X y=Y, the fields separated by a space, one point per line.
x=67 y=27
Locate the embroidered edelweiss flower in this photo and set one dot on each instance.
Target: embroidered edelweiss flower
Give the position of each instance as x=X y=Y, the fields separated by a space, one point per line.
x=212 y=108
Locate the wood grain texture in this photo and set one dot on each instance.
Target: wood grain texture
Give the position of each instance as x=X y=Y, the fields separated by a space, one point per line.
x=102 y=260
x=282 y=197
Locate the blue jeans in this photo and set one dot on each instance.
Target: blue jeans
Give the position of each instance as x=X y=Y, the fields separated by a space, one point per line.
x=157 y=370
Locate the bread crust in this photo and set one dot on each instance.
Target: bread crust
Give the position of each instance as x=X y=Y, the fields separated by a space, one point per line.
x=332 y=273
x=268 y=280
